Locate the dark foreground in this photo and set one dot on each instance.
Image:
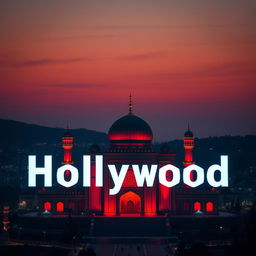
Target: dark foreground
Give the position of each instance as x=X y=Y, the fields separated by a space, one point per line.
x=142 y=236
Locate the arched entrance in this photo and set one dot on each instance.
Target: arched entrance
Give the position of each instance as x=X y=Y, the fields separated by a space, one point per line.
x=130 y=204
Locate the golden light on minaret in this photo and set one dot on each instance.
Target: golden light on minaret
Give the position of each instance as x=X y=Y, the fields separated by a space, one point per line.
x=67 y=145
x=189 y=144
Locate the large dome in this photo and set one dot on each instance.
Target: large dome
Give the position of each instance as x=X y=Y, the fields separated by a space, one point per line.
x=130 y=128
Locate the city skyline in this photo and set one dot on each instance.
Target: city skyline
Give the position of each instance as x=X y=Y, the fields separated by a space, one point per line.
x=183 y=62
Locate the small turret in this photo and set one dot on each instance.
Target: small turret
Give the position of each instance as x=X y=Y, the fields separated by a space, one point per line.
x=67 y=145
x=188 y=146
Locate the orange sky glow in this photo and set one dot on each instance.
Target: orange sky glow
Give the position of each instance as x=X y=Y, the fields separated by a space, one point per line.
x=183 y=61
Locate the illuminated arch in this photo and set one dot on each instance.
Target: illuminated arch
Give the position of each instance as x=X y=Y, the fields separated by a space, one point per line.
x=47 y=206
x=60 y=207
x=197 y=206
x=130 y=203
x=209 y=206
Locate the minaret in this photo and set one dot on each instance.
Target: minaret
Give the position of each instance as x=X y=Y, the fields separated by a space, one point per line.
x=188 y=146
x=67 y=145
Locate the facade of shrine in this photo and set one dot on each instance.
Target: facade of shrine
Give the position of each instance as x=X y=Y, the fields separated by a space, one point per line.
x=130 y=142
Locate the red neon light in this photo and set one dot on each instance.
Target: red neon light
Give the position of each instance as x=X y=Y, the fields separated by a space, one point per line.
x=188 y=160
x=197 y=206
x=164 y=194
x=164 y=198
x=94 y=192
x=60 y=207
x=109 y=205
x=150 y=202
x=209 y=207
x=67 y=144
x=130 y=136
x=47 y=206
x=67 y=155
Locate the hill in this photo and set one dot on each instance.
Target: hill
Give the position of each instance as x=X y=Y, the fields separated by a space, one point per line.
x=19 y=134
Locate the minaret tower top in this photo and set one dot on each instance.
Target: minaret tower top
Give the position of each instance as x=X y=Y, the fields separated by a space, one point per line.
x=67 y=145
x=188 y=146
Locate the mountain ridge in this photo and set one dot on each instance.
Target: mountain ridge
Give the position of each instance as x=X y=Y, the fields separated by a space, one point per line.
x=22 y=134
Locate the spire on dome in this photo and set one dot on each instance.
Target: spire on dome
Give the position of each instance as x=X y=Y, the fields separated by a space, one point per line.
x=130 y=104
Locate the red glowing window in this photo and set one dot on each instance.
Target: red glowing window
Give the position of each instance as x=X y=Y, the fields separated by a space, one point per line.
x=209 y=206
x=60 y=207
x=186 y=206
x=197 y=206
x=47 y=206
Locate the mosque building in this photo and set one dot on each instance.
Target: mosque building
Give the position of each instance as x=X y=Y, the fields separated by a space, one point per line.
x=130 y=142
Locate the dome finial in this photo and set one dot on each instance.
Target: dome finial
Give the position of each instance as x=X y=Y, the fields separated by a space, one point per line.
x=130 y=104
x=188 y=127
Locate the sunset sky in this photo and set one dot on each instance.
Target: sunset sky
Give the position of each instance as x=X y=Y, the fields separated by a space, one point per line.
x=186 y=61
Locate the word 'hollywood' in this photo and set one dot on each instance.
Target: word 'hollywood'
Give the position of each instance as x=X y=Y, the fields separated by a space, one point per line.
x=144 y=174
